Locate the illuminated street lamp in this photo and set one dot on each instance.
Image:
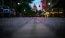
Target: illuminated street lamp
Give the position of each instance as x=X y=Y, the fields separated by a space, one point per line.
x=19 y=3
x=49 y=3
x=49 y=6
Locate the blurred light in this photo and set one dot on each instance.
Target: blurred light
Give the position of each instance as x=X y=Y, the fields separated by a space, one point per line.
x=49 y=3
x=43 y=4
x=24 y=10
x=18 y=3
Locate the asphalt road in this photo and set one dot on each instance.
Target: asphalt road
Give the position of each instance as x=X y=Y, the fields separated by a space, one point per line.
x=32 y=27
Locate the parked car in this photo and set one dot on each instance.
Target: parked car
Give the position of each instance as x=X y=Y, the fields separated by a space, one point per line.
x=6 y=11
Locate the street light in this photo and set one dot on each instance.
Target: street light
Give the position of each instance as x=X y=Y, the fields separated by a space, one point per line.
x=49 y=3
x=49 y=6
x=19 y=3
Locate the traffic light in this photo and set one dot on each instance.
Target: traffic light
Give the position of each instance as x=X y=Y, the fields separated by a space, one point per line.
x=39 y=5
x=43 y=5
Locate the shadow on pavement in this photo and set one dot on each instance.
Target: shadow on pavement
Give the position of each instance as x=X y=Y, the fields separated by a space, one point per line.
x=5 y=33
x=60 y=32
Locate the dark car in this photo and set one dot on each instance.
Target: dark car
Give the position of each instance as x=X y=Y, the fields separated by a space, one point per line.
x=6 y=11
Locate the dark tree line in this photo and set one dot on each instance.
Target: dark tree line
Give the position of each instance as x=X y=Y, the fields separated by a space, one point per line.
x=24 y=5
x=13 y=3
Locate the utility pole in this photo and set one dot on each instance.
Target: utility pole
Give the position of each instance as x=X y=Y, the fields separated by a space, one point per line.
x=49 y=4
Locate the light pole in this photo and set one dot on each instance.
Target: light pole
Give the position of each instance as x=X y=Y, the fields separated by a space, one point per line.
x=18 y=9
x=49 y=6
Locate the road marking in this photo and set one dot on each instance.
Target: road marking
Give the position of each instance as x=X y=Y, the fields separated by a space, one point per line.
x=42 y=30
x=25 y=32
x=34 y=29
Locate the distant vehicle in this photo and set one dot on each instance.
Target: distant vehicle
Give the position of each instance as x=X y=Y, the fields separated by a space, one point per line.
x=6 y=9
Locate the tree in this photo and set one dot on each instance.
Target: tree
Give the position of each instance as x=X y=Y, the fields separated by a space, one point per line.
x=25 y=7
x=14 y=4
